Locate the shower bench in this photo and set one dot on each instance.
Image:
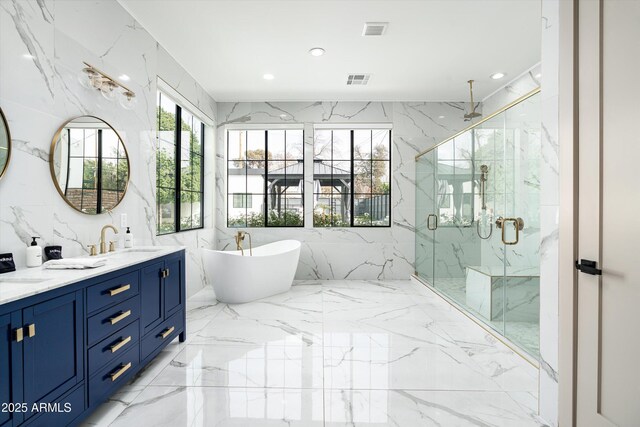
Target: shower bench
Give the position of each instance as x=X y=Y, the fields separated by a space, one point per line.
x=494 y=290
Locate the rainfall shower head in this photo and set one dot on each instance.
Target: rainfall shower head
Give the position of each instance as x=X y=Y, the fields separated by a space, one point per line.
x=473 y=114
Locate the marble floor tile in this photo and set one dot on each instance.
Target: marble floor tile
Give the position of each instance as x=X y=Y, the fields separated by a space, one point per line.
x=112 y=408
x=423 y=408
x=339 y=352
x=213 y=406
x=230 y=331
x=364 y=312
x=384 y=333
x=244 y=366
x=408 y=368
x=267 y=309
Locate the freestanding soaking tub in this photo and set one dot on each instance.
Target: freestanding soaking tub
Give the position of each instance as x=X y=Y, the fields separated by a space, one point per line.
x=237 y=278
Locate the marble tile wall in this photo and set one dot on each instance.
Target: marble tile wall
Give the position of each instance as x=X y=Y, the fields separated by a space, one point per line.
x=549 y=210
x=348 y=253
x=43 y=44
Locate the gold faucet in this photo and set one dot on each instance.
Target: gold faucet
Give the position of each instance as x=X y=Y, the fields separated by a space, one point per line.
x=240 y=238
x=103 y=244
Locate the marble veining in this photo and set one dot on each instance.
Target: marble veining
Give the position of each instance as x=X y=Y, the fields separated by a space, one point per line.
x=43 y=44
x=347 y=253
x=246 y=365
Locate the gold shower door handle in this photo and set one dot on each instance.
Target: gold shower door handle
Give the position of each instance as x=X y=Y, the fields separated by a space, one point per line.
x=429 y=222
x=518 y=224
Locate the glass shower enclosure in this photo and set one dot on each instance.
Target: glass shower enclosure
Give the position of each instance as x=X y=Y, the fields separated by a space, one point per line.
x=478 y=220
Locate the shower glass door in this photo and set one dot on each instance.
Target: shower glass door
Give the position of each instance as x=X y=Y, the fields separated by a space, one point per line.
x=455 y=243
x=426 y=220
x=477 y=221
x=522 y=229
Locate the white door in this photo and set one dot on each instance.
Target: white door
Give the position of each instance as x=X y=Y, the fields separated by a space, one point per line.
x=608 y=346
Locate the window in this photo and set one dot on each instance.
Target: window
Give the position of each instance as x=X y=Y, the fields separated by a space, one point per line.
x=242 y=201
x=265 y=178
x=179 y=167
x=96 y=167
x=352 y=179
x=455 y=183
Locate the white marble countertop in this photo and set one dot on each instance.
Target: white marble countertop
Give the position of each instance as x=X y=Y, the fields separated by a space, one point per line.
x=32 y=281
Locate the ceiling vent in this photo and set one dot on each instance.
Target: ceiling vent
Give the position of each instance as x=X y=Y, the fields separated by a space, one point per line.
x=358 y=79
x=374 y=28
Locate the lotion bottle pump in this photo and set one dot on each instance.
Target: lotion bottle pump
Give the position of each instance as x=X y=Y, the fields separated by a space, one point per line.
x=128 y=239
x=34 y=254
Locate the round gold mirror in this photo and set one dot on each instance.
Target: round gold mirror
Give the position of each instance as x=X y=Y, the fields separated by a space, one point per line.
x=5 y=144
x=89 y=165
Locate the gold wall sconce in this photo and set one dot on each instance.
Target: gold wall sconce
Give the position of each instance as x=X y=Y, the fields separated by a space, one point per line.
x=92 y=78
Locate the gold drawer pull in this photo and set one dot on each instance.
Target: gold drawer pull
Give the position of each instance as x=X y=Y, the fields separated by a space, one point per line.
x=116 y=291
x=121 y=344
x=19 y=334
x=31 y=330
x=119 y=317
x=167 y=332
x=125 y=368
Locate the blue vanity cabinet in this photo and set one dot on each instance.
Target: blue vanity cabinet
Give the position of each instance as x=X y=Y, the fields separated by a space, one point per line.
x=10 y=366
x=151 y=310
x=174 y=294
x=162 y=291
x=53 y=347
x=74 y=346
x=163 y=304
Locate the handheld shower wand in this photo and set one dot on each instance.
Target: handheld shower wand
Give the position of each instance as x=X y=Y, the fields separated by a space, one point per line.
x=484 y=172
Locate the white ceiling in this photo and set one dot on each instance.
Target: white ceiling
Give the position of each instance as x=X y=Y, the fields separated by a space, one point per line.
x=430 y=50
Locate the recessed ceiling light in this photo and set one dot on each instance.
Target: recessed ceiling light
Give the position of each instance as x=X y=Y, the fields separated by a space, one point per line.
x=316 y=51
x=283 y=116
x=497 y=76
x=441 y=117
x=124 y=77
x=268 y=76
x=28 y=56
x=538 y=75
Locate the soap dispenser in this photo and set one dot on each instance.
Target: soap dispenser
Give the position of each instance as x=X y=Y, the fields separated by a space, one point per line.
x=128 y=239
x=34 y=254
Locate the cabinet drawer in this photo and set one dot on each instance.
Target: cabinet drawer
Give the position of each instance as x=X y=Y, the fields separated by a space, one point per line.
x=112 y=291
x=112 y=319
x=106 y=350
x=164 y=333
x=114 y=375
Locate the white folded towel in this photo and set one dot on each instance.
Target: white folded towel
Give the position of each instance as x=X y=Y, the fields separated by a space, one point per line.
x=74 y=263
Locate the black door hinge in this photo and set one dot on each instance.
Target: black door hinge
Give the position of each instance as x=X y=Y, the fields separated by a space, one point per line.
x=588 y=267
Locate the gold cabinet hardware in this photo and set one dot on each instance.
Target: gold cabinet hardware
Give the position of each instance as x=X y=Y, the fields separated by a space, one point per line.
x=31 y=330
x=93 y=251
x=120 y=289
x=122 y=370
x=167 y=332
x=163 y=273
x=167 y=272
x=518 y=224
x=121 y=344
x=429 y=227
x=19 y=334
x=120 y=316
